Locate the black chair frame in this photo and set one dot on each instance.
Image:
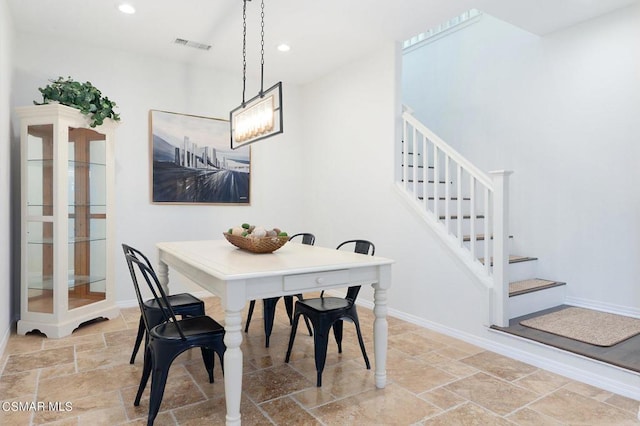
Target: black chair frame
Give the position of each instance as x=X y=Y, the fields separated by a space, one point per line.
x=183 y=304
x=170 y=338
x=326 y=313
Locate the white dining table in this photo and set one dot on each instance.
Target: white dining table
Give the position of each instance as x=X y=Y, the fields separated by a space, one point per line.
x=236 y=276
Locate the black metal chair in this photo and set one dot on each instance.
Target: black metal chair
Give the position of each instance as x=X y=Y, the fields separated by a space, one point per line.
x=184 y=304
x=330 y=312
x=170 y=338
x=269 y=304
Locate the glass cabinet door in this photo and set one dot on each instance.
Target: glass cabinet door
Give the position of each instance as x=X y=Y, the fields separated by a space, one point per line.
x=39 y=171
x=87 y=217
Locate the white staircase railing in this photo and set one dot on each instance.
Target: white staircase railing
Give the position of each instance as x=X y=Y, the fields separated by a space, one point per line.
x=465 y=206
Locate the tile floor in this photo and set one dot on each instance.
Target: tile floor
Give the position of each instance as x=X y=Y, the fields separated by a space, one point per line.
x=433 y=380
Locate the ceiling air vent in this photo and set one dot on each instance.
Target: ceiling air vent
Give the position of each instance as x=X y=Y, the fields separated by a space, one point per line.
x=193 y=44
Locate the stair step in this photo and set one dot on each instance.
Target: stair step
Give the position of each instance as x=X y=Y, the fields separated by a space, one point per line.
x=518 y=288
x=546 y=295
x=513 y=259
x=479 y=237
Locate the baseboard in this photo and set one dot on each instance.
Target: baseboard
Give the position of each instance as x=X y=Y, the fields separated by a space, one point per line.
x=604 y=307
x=3 y=347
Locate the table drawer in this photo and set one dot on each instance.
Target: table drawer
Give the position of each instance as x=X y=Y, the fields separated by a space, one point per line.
x=315 y=280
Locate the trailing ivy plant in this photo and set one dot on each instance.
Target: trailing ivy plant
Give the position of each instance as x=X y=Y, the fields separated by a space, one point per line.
x=82 y=96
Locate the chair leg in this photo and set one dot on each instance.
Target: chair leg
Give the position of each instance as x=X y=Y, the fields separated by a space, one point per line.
x=337 y=332
x=306 y=320
x=320 y=343
x=146 y=372
x=269 y=313
x=364 y=352
x=249 y=315
x=292 y=336
x=139 y=337
x=158 y=383
x=208 y=356
x=288 y=304
x=220 y=349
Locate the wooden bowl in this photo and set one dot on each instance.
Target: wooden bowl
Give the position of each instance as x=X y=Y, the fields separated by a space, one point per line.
x=256 y=245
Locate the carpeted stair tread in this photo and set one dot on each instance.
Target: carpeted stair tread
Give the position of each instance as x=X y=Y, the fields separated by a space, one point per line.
x=517 y=288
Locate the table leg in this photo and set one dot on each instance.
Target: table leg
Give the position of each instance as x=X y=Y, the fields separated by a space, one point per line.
x=380 y=335
x=163 y=276
x=233 y=365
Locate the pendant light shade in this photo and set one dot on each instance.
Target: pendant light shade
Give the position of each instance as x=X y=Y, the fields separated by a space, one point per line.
x=261 y=116
x=258 y=118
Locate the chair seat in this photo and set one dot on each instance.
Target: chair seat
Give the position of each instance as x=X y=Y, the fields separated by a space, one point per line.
x=191 y=327
x=180 y=300
x=323 y=304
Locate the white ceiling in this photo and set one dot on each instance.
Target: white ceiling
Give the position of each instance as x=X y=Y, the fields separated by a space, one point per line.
x=323 y=34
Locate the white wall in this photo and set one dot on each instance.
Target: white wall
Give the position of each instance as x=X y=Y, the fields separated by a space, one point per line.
x=6 y=40
x=138 y=84
x=562 y=112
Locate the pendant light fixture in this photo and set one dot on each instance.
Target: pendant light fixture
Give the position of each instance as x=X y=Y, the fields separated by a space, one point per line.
x=261 y=116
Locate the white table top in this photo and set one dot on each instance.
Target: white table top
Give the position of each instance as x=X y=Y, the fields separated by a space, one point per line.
x=226 y=262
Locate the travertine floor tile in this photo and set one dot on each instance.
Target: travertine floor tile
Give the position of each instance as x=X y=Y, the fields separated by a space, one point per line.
x=417 y=376
x=528 y=417
x=18 y=385
x=285 y=411
x=33 y=360
x=499 y=366
x=442 y=398
x=571 y=408
x=467 y=414
x=542 y=382
x=392 y=405
x=496 y=395
x=275 y=382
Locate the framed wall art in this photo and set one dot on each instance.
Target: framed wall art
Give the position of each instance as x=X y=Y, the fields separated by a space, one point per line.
x=193 y=163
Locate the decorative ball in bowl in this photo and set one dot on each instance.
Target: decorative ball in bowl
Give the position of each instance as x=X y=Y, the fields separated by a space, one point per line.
x=256 y=239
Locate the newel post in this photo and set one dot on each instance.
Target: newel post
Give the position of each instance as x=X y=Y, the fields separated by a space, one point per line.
x=500 y=207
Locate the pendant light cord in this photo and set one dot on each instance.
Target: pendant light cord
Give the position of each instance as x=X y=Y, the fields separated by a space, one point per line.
x=262 y=49
x=244 y=48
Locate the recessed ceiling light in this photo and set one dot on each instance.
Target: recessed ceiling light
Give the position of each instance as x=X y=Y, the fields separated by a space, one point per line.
x=127 y=8
x=284 y=47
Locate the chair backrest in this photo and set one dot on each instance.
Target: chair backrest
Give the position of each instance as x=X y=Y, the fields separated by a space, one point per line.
x=362 y=247
x=137 y=254
x=359 y=246
x=138 y=268
x=307 y=238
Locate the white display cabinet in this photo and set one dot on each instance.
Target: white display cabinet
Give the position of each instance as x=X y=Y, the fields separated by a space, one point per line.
x=67 y=234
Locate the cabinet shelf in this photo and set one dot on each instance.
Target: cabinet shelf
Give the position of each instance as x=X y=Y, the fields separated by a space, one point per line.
x=46 y=283
x=73 y=240
x=49 y=162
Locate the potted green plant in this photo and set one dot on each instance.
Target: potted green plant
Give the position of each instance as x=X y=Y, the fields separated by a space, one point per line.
x=82 y=96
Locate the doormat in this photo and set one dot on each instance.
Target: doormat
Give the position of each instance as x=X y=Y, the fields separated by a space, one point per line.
x=586 y=325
